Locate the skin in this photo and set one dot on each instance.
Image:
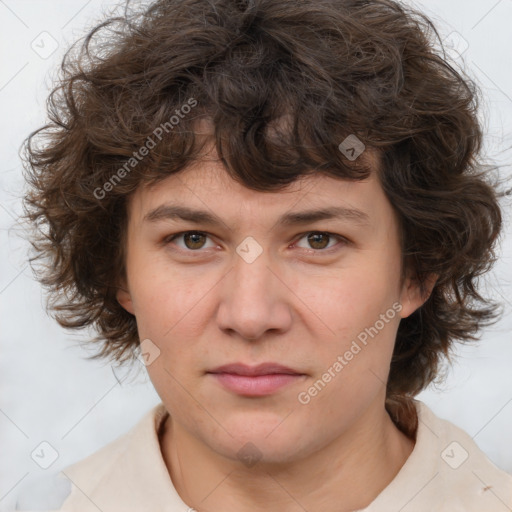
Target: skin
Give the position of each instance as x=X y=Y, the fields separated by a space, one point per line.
x=203 y=306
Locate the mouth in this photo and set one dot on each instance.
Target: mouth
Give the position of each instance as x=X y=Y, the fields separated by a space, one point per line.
x=260 y=380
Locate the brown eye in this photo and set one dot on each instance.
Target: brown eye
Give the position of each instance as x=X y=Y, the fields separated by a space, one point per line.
x=194 y=240
x=318 y=240
x=190 y=241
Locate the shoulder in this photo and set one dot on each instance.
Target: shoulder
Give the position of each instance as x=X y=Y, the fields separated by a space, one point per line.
x=121 y=473
x=464 y=465
x=104 y=476
x=446 y=471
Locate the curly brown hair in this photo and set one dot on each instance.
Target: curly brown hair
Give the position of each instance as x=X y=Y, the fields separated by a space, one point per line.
x=332 y=68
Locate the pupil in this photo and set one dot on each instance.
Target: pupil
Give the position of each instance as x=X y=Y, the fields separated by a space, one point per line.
x=190 y=236
x=313 y=239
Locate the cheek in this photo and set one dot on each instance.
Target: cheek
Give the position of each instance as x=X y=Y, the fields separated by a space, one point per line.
x=353 y=364
x=165 y=298
x=349 y=299
x=356 y=310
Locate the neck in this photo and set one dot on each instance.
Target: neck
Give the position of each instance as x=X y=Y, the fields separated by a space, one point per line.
x=346 y=475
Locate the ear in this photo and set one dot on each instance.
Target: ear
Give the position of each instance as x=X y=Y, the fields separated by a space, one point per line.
x=411 y=297
x=124 y=298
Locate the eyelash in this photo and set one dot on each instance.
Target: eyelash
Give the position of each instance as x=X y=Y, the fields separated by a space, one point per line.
x=343 y=240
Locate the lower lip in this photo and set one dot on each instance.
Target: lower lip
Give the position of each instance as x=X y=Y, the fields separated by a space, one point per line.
x=256 y=385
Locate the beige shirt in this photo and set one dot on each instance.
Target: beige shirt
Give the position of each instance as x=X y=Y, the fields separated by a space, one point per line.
x=446 y=472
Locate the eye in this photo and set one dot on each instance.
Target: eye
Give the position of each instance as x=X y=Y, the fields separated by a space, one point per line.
x=193 y=240
x=319 y=241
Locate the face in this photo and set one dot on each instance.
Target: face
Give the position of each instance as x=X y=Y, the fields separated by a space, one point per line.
x=251 y=282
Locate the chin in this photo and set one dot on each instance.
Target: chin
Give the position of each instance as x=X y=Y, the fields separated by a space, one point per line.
x=262 y=441
x=259 y=452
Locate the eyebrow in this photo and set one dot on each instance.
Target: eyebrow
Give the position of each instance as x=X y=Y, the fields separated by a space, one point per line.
x=172 y=212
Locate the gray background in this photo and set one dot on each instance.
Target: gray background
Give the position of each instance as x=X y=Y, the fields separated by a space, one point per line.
x=49 y=392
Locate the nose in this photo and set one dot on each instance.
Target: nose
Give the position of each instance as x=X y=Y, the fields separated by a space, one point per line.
x=254 y=299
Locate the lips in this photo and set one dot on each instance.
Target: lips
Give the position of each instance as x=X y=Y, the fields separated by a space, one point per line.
x=252 y=371
x=255 y=381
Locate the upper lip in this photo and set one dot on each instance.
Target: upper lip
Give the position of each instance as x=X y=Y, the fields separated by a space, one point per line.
x=261 y=369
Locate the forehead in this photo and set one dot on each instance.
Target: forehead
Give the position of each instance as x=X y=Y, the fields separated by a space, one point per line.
x=206 y=185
